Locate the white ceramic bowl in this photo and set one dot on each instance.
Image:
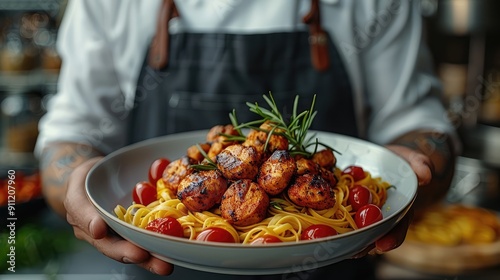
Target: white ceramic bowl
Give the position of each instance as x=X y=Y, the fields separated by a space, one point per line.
x=111 y=180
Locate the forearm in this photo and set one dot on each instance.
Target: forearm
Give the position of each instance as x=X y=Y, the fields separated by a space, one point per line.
x=57 y=162
x=439 y=149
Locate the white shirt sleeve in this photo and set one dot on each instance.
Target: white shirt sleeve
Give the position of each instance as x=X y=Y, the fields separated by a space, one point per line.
x=401 y=90
x=98 y=75
x=103 y=43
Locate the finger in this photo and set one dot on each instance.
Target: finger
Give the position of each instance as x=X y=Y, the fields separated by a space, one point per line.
x=79 y=211
x=395 y=237
x=419 y=163
x=364 y=252
x=422 y=166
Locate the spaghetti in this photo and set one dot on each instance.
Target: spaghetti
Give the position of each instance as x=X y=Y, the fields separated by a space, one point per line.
x=236 y=156
x=285 y=219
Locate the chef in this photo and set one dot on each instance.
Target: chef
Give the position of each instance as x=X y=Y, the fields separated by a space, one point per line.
x=133 y=70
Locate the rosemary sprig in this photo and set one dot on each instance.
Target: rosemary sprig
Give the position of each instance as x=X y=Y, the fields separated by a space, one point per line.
x=295 y=129
x=209 y=163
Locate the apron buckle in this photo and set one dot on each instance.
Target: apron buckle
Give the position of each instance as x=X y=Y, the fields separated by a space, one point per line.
x=318 y=38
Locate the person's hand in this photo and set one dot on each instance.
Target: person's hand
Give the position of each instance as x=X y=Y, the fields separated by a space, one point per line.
x=88 y=226
x=422 y=166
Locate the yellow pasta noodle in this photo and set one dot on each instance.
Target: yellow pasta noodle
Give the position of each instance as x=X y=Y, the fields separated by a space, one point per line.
x=285 y=220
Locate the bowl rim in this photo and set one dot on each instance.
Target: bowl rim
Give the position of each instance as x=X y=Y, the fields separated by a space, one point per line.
x=110 y=215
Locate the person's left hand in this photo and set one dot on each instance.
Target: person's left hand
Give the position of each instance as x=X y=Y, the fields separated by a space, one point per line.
x=423 y=168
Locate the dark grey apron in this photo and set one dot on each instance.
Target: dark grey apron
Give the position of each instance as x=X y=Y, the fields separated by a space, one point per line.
x=209 y=75
x=206 y=76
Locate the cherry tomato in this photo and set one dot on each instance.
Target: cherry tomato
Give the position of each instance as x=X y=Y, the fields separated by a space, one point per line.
x=367 y=215
x=359 y=195
x=166 y=225
x=156 y=170
x=317 y=231
x=266 y=239
x=355 y=171
x=215 y=234
x=144 y=193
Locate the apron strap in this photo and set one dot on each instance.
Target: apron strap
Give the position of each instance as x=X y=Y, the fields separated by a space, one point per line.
x=318 y=39
x=158 y=52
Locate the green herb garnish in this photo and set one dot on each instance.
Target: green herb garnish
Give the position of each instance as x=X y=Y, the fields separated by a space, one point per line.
x=208 y=164
x=294 y=129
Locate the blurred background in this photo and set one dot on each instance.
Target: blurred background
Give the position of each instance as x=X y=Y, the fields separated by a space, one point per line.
x=462 y=36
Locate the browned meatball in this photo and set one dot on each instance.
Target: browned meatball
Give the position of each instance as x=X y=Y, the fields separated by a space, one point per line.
x=238 y=162
x=258 y=138
x=276 y=172
x=195 y=153
x=325 y=158
x=176 y=171
x=312 y=191
x=202 y=190
x=306 y=166
x=329 y=176
x=214 y=150
x=244 y=203
x=216 y=134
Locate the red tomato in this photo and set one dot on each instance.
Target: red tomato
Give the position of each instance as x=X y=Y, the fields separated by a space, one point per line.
x=266 y=239
x=144 y=193
x=359 y=195
x=156 y=169
x=215 y=234
x=356 y=172
x=317 y=231
x=367 y=215
x=166 y=225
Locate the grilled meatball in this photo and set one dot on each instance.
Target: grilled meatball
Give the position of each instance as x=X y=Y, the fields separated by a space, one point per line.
x=238 y=162
x=244 y=203
x=329 y=176
x=214 y=150
x=258 y=138
x=312 y=191
x=215 y=134
x=202 y=190
x=194 y=152
x=176 y=171
x=325 y=158
x=276 y=172
x=306 y=166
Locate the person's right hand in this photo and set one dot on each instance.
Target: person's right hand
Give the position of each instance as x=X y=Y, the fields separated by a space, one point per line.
x=90 y=227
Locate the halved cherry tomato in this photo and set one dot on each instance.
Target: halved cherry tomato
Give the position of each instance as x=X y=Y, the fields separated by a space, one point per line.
x=359 y=195
x=166 y=225
x=156 y=170
x=355 y=171
x=215 y=234
x=317 y=231
x=367 y=215
x=144 y=193
x=266 y=239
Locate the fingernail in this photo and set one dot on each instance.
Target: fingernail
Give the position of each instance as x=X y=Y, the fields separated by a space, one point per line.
x=126 y=260
x=91 y=228
x=152 y=270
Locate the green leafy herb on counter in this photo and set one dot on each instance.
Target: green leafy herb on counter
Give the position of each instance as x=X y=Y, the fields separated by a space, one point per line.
x=34 y=245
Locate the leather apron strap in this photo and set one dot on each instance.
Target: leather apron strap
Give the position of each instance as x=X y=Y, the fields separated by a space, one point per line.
x=318 y=38
x=158 y=52
x=193 y=81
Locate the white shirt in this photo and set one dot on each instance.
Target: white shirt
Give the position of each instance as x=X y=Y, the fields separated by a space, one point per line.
x=103 y=44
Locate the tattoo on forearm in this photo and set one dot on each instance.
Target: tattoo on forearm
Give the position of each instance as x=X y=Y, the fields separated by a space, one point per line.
x=57 y=163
